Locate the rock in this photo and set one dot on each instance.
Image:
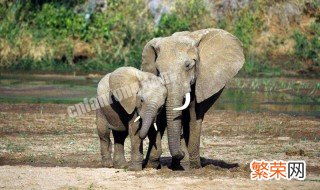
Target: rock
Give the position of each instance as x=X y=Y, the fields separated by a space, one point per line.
x=158 y=8
x=285 y=13
x=220 y=8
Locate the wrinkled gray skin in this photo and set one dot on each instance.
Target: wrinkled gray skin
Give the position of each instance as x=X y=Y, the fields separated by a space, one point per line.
x=147 y=97
x=203 y=62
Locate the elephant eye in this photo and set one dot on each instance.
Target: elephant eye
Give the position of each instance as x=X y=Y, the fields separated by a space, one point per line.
x=189 y=64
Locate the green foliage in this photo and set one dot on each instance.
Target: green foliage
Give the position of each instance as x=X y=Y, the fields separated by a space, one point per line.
x=245 y=26
x=258 y=65
x=117 y=36
x=302 y=46
x=251 y=65
x=308 y=48
x=57 y=21
x=170 y=24
x=8 y=22
x=66 y=3
x=29 y=64
x=222 y=24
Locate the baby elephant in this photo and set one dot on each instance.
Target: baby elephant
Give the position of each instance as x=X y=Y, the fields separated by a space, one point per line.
x=135 y=96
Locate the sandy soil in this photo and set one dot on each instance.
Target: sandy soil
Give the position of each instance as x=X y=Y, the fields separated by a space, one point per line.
x=28 y=177
x=42 y=148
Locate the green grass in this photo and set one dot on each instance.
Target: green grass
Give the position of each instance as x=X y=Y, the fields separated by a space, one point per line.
x=12 y=147
x=273 y=84
x=31 y=158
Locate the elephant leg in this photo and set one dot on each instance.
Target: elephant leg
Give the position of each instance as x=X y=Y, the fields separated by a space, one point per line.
x=194 y=137
x=154 y=149
x=197 y=112
x=136 y=148
x=119 y=160
x=104 y=137
x=183 y=164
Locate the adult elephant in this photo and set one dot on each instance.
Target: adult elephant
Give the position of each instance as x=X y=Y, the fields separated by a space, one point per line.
x=202 y=62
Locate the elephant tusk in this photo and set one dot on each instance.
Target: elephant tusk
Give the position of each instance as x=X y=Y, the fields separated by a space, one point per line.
x=186 y=103
x=155 y=126
x=137 y=119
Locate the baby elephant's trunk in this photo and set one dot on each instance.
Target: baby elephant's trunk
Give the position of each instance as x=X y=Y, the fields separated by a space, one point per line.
x=147 y=120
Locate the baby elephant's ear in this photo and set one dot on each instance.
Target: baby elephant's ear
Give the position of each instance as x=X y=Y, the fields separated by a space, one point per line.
x=124 y=85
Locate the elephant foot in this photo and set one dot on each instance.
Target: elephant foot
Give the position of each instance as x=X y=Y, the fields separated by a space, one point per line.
x=185 y=165
x=153 y=164
x=107 y=163
x=179 y=165
x=195 y=164
x=120 y=164
x=135 y=167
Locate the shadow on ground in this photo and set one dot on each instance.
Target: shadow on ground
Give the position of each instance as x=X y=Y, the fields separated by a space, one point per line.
x=90 y=161
x=166 y=161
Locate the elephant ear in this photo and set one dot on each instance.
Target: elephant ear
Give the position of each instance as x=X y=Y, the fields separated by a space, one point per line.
x=124 y=85
x=149 y=56
x=220 y=58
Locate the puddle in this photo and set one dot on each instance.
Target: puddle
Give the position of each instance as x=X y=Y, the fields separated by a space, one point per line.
x=59 y=89
x=277 y=102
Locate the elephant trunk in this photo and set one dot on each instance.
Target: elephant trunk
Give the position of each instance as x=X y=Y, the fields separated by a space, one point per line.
x=174 y=125
x=148 y=118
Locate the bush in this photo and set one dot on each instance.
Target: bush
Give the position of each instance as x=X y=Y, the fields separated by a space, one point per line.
x=257 y=66
x=245 y=26
x=170 y=24
x=308 y=49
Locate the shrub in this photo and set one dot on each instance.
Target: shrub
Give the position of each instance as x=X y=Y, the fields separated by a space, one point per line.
x=308 y=49
x=245 y=26
x=170 y=24
x=57 y=21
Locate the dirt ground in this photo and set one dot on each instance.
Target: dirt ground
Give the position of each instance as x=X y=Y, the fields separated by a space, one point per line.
x=42 y=148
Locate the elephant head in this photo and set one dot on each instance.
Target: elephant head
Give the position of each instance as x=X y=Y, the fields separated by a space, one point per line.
x=140 y=91
x=207 y=58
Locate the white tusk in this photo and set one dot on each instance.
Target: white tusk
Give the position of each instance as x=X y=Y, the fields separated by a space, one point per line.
x=137 y=119
x=186 y=103
x=155 y=126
